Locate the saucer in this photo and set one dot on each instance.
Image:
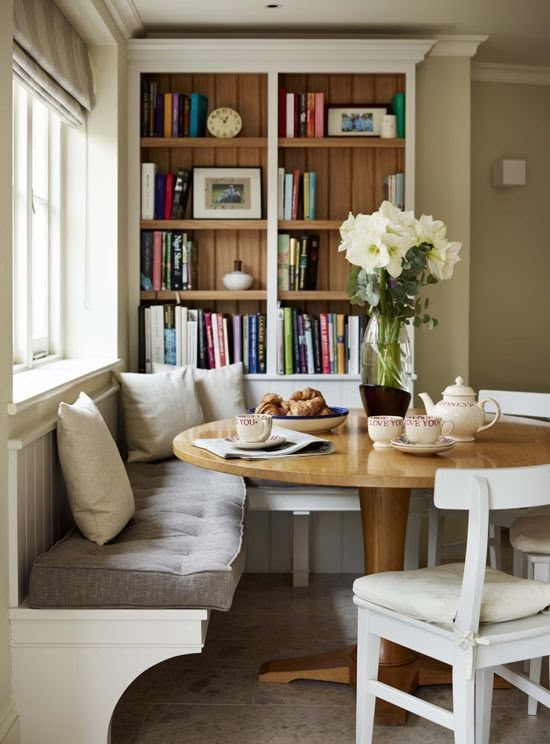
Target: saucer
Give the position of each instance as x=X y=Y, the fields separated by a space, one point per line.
x=268 y=444
x=403 y=445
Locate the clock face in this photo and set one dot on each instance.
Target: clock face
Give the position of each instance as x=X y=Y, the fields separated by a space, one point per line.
x=224 y=122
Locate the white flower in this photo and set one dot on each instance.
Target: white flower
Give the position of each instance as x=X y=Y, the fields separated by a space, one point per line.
x=397 y=246
x=346 y=230
x=442 y=257
x=400 y=220
x=428 y=230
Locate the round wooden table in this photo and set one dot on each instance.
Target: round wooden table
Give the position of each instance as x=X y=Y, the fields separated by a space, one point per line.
x=384 y=479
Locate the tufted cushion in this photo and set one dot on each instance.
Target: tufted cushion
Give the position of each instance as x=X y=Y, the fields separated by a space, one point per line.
x=183 y=547
x=432 y=594
x=531 y=532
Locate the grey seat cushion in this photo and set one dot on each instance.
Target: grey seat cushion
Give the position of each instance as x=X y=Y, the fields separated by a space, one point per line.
x=184 y=547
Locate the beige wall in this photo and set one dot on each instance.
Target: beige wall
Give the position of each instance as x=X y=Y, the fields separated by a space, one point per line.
x=443 y=190
x=510 y=273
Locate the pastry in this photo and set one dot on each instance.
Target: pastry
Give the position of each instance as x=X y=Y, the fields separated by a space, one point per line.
x=307 y=402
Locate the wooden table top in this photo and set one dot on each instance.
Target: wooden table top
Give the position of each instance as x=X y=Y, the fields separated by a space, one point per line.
x=512 y=442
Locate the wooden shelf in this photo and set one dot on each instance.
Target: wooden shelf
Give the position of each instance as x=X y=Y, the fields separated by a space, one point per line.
x=318 y=294
x=203 y=224
x=205 y=294
x=188 y=142
x=349 y=142
x=310 y=224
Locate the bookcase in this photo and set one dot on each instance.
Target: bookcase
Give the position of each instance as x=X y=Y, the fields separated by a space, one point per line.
x=247 y=75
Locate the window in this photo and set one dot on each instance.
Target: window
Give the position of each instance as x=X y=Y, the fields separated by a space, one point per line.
x=36 y=221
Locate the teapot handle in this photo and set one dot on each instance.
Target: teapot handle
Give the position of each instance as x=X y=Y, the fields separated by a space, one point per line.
x=496 y=417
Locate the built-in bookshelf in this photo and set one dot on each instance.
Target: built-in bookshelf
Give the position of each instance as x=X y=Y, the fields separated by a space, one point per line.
x=248 y=75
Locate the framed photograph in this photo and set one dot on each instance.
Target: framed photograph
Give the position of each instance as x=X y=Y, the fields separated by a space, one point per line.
x=355 y=120
x=227 y=193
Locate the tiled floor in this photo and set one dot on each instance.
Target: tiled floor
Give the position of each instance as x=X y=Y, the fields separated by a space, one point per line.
x=214 y=698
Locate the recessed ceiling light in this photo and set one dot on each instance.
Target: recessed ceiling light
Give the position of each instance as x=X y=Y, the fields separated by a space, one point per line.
x=274 y=5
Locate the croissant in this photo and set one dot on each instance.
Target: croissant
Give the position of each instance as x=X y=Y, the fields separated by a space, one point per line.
x=270 y=403
x=306 y=394
x=307 y=407
x=307 y=402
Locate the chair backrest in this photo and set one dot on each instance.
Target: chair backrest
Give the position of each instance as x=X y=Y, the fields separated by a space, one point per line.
x=479 y=490
x=518 y=403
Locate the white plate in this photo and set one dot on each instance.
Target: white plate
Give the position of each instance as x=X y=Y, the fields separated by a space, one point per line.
x=313 y=424
x=442 y=445
x=271 y=442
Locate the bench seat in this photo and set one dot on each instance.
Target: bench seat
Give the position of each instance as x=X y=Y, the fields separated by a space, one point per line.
x=183 y=548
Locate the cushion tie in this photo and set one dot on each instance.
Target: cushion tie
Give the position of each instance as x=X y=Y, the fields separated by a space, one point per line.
x=467 y=642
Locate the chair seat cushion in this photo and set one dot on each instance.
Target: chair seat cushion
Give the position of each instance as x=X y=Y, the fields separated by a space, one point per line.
x=432 y=594
x=182 y=548
x=531 y=532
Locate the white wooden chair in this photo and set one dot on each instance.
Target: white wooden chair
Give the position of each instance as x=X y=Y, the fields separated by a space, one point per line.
x=513 y=403
x=448 y=599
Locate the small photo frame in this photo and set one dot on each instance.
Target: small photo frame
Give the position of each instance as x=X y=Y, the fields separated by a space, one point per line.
x=355 y=120
x=227 y=193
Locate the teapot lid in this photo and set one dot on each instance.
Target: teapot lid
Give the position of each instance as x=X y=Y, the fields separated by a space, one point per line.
x=459 y=388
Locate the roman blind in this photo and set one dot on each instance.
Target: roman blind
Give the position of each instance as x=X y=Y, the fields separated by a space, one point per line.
x=51 y=60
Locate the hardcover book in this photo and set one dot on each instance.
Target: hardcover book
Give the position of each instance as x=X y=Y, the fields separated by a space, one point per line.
x=148 y=173
x=197 y=115
x=283 y=258
x=182 y=187
x=146 y=260
x=177 y=259
x=160 y=195
x=169 y=196
x=169 y=335
x=167 y=127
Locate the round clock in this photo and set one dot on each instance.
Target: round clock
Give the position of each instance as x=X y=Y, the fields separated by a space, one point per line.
x=224 y=122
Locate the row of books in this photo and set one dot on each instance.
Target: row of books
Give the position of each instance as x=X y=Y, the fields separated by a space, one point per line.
x=172 y=114
x=168 y=261
x=329 y=343
x=296 y=195
x=297 y=261
x=174 y=334
x=393 y=189
x=301 y=114
x=164 y=196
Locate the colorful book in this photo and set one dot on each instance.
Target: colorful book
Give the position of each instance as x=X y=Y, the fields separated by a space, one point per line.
x=312 y=195
x=292 y=256
x=245 y=342
x=192 y=336
x=398 y=108
x=169 y=335
x=302 y=354
x=225 y=330
x=148 y=363
x=290 y=106
x=288 y=196
x=167 y=128
x=302 y=260
x=160 y=195
x=182 y=187
x=159 y=115
x=175 y=114
x=306 y=194
x=331 y=344
x=166 y=260
x=261 y=343
x=319 y=114
x=177 y=260
x=253 y=344
x=157 y=260
x=325 y=351
x=295 y=194
x=148 y=173
x=169 y=196
x=237 y=350
x=202 y=354
x=288 y=342
x=146 y=260
x=281 y=194
x=283 y=258
x=302 y=115
x=209 y=340
x=312 y=262
x=317 y=345
x=198 y=107
x=310 y=125
x=340 y=345
x=281 y=113
x=308 y=334
x=353 y=344
x=280 y=340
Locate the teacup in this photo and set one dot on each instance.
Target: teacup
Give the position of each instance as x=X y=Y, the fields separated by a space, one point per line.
x=253 y=427
x=382 y=429
x=426 y=429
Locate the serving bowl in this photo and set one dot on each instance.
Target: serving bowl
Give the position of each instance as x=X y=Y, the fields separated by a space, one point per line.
x=313 y=424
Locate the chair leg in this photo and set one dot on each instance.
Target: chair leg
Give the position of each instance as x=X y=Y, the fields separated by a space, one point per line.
x=368 y=653
x=435 y=523
x=463 y=703
x=484 y=700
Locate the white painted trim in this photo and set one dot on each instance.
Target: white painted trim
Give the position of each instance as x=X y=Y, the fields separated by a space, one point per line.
x=487 y=72
x=7 y=719
x=125 y=14
x=456 y=46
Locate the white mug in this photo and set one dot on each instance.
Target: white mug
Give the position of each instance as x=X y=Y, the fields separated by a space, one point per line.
x=253 y=427
x=389 y=126
x=382 y=429
x=426 y=429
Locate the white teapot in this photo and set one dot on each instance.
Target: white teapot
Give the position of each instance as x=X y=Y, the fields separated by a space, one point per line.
x=459 y=406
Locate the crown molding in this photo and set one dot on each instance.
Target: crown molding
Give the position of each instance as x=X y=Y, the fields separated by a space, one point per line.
x=456 y=46
x=487 y=72
x=126 y=17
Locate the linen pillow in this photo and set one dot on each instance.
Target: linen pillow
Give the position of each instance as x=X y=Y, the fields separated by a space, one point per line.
x=156 y=408
x=220 y=390
x=432 y=594
x=100 y=495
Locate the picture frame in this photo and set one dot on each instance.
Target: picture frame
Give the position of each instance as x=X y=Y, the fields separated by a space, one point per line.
x=355 y=120
x=227 y=193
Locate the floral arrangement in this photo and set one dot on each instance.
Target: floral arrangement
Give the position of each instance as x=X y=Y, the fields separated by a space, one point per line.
x=393 y=256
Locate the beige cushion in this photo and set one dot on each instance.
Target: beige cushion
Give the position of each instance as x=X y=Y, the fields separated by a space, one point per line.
x=432 y=594
x=98 y=488
x=220 y=390
x=157 y=407
x=531 y=532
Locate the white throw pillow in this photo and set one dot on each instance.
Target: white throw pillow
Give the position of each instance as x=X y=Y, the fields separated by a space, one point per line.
x=156 y=408
x=432 y=594
x=220 y=390
x=100 y=495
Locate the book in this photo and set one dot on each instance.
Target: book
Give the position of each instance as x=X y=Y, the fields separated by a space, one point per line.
x=157 y=260
x=295 y=342
x=283 y=257
x=317 y=345
x=310 y=116
x=167 y=125
x=281 y=113
x=160 y=195
x=209 y=340
x=308 y=335
x=176 y=282
x=398 y=108
x=198 y=106
x=290 y=105
x=215 y=339
x=245 y=343
x=292 y=257
x=157 y=334
x=302 y=263
x=192 y=335
x=261 y=343
x=175 y=114
x=159 y=116
x=302 y=115
x=295 y=194
x=237 y=350
x=192 y=265
x=253 y=344
x=312 y=262
x=400 y=190
x=148 y=363
x=340 y=345
x=306 y=194
x=225 y=331
x=202 y=354
x=169 y=335
x=146 y=260
x=280 y=193
x=182 y=187
x=319 y=114
x=166 y=260
x=288 y=196
x=325 y=354
x=331 y=344
x=302 y=355
x=148 y=173
x=280 y=340
x=312 y=195
x=288 y=343
x=169 y=196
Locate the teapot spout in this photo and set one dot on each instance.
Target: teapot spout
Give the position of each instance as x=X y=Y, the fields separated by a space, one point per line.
x=428 y=403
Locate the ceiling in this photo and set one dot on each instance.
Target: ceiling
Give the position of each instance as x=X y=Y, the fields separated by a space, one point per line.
x=519 y=32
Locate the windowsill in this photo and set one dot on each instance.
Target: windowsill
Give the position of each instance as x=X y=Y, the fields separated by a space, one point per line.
x=40 y=383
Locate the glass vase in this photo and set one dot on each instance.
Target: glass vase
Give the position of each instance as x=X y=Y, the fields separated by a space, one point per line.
x=385 y=367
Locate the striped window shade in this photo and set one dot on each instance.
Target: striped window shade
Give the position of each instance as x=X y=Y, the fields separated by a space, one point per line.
x=51 y=60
